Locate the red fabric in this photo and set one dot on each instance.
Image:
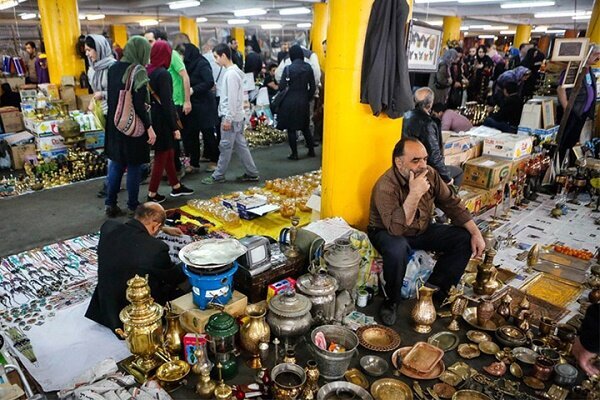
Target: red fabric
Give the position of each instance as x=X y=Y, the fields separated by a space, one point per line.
x=163 y=160
x=160 y=56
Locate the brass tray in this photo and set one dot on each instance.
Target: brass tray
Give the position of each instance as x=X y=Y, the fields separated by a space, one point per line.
x=565 y=260
x=470 y=316
x=469 y=351
x=446 y=340
x=378 y=338
x=478 y=336
x=353 y=375
x=422 y=357
x=538 y=307
x=391 y=389
x=401 y=353
x=469 y=395
x=489 y=347
x=553 y=289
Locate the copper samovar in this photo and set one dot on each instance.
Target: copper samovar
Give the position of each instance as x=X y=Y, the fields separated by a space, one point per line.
x=142 y=328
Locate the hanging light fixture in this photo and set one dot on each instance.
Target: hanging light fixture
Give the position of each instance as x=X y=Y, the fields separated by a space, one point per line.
x=201 y=19
x=294 y=11
x=176 y=5
x=249 y=12
x=6 y=4
x=94 y=17
x=148 y=22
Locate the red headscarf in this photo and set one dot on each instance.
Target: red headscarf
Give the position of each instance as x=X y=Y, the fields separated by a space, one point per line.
x=160 y=56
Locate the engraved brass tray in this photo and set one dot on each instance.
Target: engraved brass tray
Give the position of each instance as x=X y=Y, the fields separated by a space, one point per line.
x=423 y=357
x=378 y=338
x=539 y=308
x=553 y=289
x=391 y=389
x=397 y=361
x=469 y=395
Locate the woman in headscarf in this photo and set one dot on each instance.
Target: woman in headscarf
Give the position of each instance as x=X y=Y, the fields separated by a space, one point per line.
x=204 y=118
x=294 y=113
x=100 y=56
x=127 y=152
x=480 y=76
x=518 y=76
x=533 y=60
x=441 y=81
x=164 y=117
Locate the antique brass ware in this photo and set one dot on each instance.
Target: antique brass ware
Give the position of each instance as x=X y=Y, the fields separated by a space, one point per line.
x=388 y=388
x=423 y=314
x=253 y=332
x=172 y=373
x=468 y=351
x=142 y=326
x=553 y=289
x=311 y=387
x=378 y=338
x=173 y=336
x=533 y=257
x=68 y=128
x=486 y=282
x=353 y=375
x=478 y=336
x=469 y=395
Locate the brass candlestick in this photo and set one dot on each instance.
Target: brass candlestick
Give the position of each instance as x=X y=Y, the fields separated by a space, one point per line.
x=222 y=391
x=293 y=251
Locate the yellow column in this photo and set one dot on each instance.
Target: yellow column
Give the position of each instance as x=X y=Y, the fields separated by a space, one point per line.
x=593 y=29
x=451 y=29
x=318 y=31
x=522 y=35
x=118 y=33
x=60 y=30
x=190 y=28
x=357 y=146
x=239 y=35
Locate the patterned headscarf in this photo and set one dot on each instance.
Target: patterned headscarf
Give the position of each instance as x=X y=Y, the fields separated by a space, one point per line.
x=137 y=52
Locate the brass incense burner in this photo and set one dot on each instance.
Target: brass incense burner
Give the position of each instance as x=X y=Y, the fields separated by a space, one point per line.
x=142 y=328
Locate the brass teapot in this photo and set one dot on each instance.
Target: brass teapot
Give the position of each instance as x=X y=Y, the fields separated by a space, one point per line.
x=486 y=282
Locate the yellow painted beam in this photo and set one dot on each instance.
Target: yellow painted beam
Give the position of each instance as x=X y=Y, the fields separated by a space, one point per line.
x=451 y=30
x=239 y=35
x=190 y=28
x=357 y=145
x=523 y=35
x=118 y=33
x=60 y=30
x=318 y=30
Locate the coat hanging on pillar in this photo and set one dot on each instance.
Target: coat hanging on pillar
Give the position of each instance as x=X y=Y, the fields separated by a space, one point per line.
x=385 y=83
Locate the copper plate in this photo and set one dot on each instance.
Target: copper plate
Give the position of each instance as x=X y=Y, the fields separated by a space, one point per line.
x=446 y=340
x=534 y=383
x=378 y=338
x=422 y=357
x=468 y=351
x=478 y=336
x=443 y=390
x=470 y=316
x=469 y=395
x=489 y=347
x=391 y=389
x=553 y=289
x=353 y=375
x=434 y=374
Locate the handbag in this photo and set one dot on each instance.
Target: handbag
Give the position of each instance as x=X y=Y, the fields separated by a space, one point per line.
x=157 y=98
x=279 y=96
x=126 y=120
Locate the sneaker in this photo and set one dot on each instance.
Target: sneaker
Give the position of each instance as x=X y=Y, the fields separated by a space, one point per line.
x=212 y=167
x=158 y=198
x=209 y=180
x=113 y=211
x=248 y=178
x=181 y=191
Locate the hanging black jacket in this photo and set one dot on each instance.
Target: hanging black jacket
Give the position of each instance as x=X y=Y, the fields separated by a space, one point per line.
x=419 y=125
x=384 y=83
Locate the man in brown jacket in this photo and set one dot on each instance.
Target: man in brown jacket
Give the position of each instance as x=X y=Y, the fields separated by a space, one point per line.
x=402 y=203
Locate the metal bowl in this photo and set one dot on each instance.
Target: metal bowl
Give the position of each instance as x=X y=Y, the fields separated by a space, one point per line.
x=374 y=365
x=342 y=391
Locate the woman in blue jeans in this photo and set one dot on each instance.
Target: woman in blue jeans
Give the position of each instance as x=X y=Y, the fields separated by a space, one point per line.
x=126 y=153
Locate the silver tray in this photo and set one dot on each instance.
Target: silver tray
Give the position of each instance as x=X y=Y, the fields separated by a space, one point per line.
x=211 y=253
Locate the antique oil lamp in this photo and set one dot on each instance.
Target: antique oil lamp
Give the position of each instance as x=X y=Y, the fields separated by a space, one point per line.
x=221 y=329
x=142 y=328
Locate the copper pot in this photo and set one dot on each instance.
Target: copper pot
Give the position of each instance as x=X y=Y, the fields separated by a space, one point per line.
x=543 y=368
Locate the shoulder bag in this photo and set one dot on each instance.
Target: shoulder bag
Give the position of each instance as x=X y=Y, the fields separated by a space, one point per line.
x=279 y=96
x=126 y=120
x=157 y=98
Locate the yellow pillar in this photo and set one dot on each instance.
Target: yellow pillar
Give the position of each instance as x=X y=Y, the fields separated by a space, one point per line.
x=239 y=35
x=60 y=30
x=451 y=30
x=118 y=33
x=190 y=28
x=357 y=145
x=522 y=35
x=318 y=31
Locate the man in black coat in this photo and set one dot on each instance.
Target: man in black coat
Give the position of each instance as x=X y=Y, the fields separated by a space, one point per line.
x=508 y=117
x=125 y=250
x=236 y=56
x=419 y=124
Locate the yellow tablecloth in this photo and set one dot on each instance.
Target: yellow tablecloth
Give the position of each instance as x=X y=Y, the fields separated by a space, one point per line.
x=267 y=225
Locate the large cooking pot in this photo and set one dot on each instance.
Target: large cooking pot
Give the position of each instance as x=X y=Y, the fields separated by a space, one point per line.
x=343 y=262
x=289 y=315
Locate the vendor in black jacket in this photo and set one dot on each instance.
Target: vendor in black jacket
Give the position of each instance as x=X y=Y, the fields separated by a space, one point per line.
x=125 y=250
x=419 y=124
x=587 y=345
x=507 y=119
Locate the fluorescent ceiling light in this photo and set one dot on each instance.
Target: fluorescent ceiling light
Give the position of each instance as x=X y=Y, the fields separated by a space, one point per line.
x=238 y=21
x=94 y=17
x=10 y=4
x=558 y=14
x=464 y=28
x=271 y=26
x=582 y=17
x=438 y=22
x=201 y=19
x=557 y=31
x=487 y=37
x=508 y=32
x=496 y=28
x=249 y=12
x=148 y=22
x=479 y=26
x=294 y=11
x=304 y=25
x=176 y=5
x=478 y=1
x=81 y=16
x=528 y=4
x=28 y=15
x=433 y=1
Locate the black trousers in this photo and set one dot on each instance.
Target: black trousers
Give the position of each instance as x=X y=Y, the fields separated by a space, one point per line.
x=453 y=242
x=177 y=147
x=191 y=143
x=293 y=139
x=571 y=134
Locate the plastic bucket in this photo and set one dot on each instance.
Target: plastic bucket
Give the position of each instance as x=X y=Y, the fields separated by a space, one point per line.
x=333 y=365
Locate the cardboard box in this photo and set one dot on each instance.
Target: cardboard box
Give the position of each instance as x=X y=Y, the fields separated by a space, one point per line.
x=456 y=144
x=12 y=119
x=543 y=135
x=508 y=145
x=486 y=172
x=67 y=94
x=519 y=164
x=22 y=153
x=94 y=140
x=50 y=143
x=83 y=101
x=471 y=198
x=54 y=153
x=41 y=128
x=193 y=319
x=14 y=82
x=67 y=81
x=460 y=158
x=50 y=90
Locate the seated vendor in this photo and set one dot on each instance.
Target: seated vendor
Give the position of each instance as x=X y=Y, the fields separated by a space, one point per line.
x=507 y=119
x=451 y=120
x=586 y=347
x=400 y=220
x=127 y=249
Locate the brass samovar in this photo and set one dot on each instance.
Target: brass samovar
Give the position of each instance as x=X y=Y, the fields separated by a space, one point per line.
x=142 y=328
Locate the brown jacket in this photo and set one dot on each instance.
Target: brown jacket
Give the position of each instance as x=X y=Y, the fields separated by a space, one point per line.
x=388 y=196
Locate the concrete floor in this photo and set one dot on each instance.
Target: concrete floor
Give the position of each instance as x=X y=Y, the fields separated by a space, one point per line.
x=48 y=216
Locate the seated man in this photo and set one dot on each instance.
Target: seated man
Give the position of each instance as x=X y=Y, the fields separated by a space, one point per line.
x=401 y=205
x=128 y=249
x=419 y=124
x=450 y=120
x=587 y=345
x=507 y=119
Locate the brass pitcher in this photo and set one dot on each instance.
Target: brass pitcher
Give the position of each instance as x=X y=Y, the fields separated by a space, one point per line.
x=174 y=333
x=486 y=282
x=424 y=314
x=253 y=332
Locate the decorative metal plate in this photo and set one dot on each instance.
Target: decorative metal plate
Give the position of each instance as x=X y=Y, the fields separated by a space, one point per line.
x=378 y=338
x=446 y=340
x=553 y=289
x=391 y=389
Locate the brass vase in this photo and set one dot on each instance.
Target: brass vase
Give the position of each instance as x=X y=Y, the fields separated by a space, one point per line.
x=173 y=337
x=485 y=312
x=424 y=314
x=457 y=309
x=311 y=387
x=253 y=332
x=205 y=388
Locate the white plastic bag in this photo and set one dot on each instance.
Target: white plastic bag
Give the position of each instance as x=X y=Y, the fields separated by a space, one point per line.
x=420 y=266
